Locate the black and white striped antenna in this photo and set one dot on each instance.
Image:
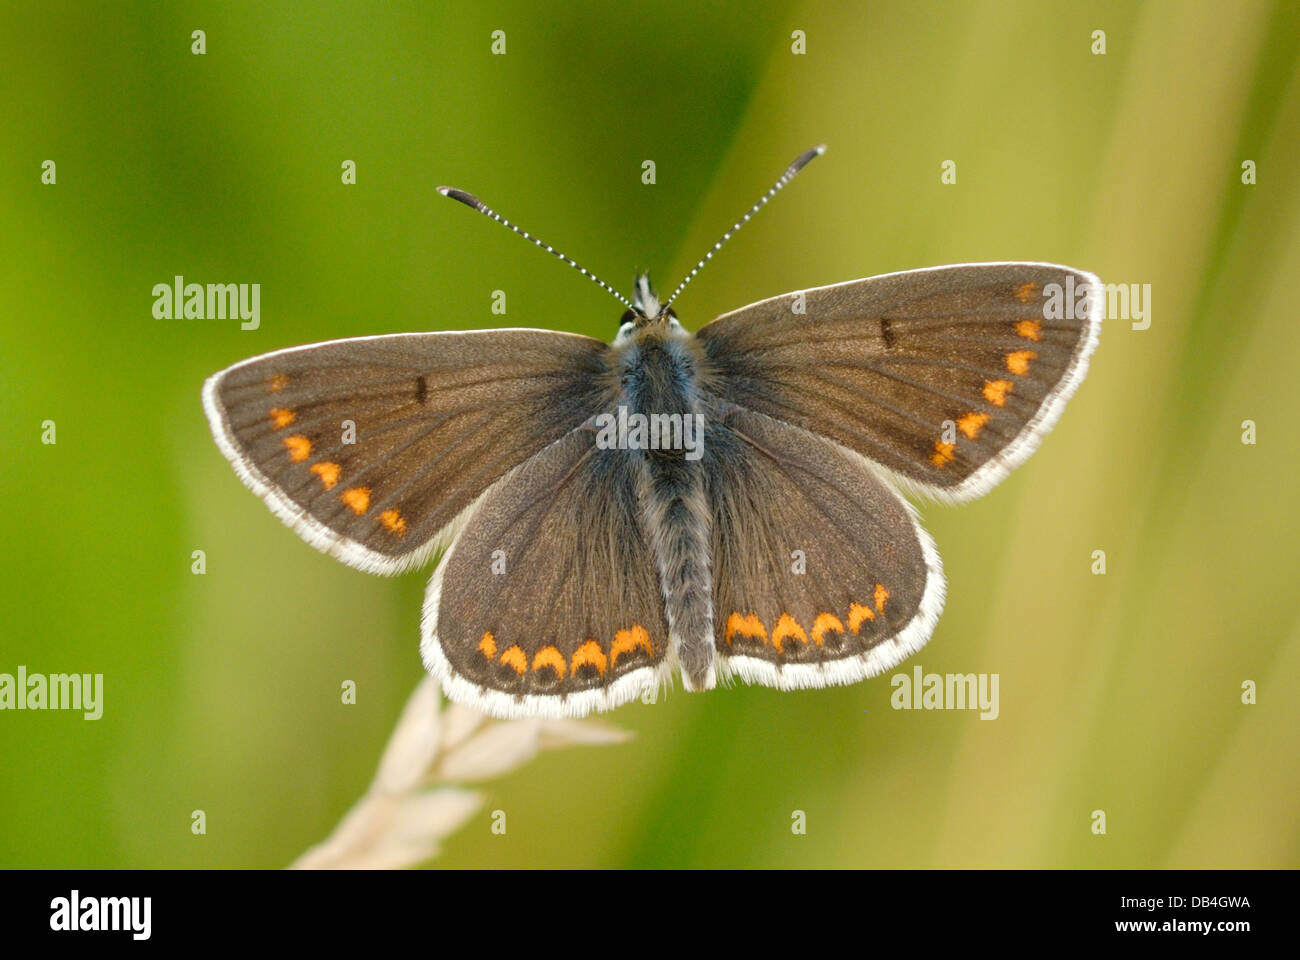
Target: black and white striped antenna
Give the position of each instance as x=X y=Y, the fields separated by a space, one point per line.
x=472 y=201
x=799 y=163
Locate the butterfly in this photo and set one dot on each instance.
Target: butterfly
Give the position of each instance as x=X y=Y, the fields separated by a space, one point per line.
x=722 y=504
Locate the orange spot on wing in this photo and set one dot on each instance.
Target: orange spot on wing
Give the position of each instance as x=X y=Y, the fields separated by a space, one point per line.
x=277 y=383
x=627 y=641
x=787 y=627
x=824 y=624
x=516 y=659
x=299 y=447
x=857 y=614
x=282 y=417
x=488 y=645
x=747 y=625
x=328 y=473
x=1018 y=361
x=549 y=657
x=358 y=498
x=1027 y=291
x=589 y=654
x=1029 y=329
x=972 y=424
x=995 y=391
x=881 y=596
x=942 y=453
x=393 y=521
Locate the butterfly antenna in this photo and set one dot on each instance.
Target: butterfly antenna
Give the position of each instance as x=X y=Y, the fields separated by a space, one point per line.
x=799 y=163
x=472 y=201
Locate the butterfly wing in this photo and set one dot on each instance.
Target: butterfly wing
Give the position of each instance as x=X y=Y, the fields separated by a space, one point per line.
x=948 y=377
x=822 y=574
x=370 y=447
x=547 y=603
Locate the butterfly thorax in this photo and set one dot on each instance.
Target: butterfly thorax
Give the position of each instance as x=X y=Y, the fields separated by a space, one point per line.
x=659 y=370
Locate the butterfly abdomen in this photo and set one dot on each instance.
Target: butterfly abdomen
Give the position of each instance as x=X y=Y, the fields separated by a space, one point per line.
x=660 y=381
x=676 y=519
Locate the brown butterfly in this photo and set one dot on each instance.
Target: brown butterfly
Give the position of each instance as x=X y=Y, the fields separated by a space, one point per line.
x=720 y=503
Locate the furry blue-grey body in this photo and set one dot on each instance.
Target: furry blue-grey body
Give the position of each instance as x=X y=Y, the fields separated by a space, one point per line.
x=659 y=369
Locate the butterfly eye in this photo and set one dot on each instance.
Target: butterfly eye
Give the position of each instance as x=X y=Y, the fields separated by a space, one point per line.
x=626 y=324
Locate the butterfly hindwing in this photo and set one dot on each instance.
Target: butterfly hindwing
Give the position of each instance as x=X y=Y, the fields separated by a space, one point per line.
x=948 y=377
x=548 y=602
x=370 y=447
x=822 y=574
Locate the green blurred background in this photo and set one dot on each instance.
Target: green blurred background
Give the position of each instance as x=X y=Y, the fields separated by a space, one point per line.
x=1119 y=692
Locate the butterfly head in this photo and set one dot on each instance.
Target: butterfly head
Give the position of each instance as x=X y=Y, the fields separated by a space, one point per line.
x=646 y=312
x=645 y=302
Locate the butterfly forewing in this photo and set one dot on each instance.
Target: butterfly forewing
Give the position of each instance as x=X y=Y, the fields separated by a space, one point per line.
x=370 y=447
x=821 y=573
x=548 y=602
x=948 y=376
